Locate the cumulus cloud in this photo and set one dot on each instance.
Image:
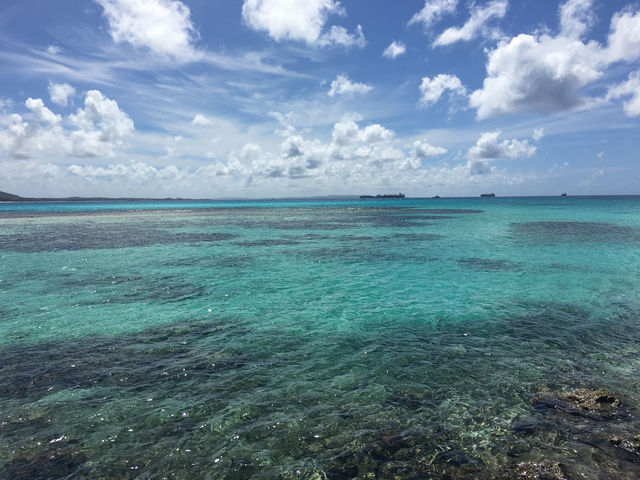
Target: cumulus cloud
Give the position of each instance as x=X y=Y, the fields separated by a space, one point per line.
x=343 y=86
x=432 y=11
x=95 y=130
x=25 y=138
x=476 y=24
x=394 y=50
x=201 y=121
x=431 y=89
x=135 y=171
x=422 y=149
x=489 y=147
x=355 y=156
x=162 y=26
x=545 y=73
x=100 y=127
x=624 y=37
x=629 y=88
x=299 y=21
x=54 y=50
x=42 y=113
x=340 y=36
x=576 y=17
x=60 y=93
x=347 y=131
x=538 y=134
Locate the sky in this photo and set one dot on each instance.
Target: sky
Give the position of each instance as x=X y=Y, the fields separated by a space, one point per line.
x=285 y=98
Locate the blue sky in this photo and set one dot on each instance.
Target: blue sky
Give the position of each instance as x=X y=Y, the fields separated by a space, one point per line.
x=255 y=98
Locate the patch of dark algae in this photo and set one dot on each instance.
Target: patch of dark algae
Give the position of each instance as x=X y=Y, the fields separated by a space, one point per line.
x=98 y=236
x=61 y=459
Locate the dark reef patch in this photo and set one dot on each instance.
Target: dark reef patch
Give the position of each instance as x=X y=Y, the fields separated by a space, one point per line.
x=56 y=460
x=573 y=232
x=418 y=237
x=95 y=236
x=484 y=264
x=126 y=361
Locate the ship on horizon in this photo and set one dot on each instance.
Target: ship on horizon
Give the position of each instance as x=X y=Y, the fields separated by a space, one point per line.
x=386 y=195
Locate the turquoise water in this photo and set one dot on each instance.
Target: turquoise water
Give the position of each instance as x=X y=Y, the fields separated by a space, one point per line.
x=314 y=339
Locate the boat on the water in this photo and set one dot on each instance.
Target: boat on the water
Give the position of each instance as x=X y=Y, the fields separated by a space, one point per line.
x=487 y=195
x=385 y=196
x=563 y=195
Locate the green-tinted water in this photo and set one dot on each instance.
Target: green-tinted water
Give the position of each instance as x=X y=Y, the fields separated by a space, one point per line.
x=347 y=339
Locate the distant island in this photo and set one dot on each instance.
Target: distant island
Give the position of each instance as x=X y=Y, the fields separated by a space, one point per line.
x=386 y=195
x=487 y=195
x=10 y=197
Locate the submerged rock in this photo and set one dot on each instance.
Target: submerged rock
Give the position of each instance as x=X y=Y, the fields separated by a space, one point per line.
x=544 y=470
x=594 y=400
x=387 y=444
x=582 y=401
x=631 y=444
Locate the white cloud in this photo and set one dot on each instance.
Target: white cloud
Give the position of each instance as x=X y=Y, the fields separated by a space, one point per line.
x=475 y=25
x=201 y=121
x=25 y=138
x=42 y=113
x=60 y=93
x=539 y=74
x=631 y=88
x=133 y=172
x=53 y=50
x=299 y=21
x=339 y=36
x=538 y=134
x=100 y=127
x=433 y=10
x=576 y=17
x=163 y=26
x=545 y=73
x=489 y=147
x=624 y=37
x=422 y=149
x=347 y=132
x=357 y=157
x=431 y=89
x=343 y=86
x=394 y=50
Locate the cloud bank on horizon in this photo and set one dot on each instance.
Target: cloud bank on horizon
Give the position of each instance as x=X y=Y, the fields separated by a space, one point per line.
x=279 y=97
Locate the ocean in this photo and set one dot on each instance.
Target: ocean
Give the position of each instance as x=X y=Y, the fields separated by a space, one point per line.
x=320 y=339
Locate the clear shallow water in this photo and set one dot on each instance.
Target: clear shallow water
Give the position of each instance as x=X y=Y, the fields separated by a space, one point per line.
x=293 y=339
